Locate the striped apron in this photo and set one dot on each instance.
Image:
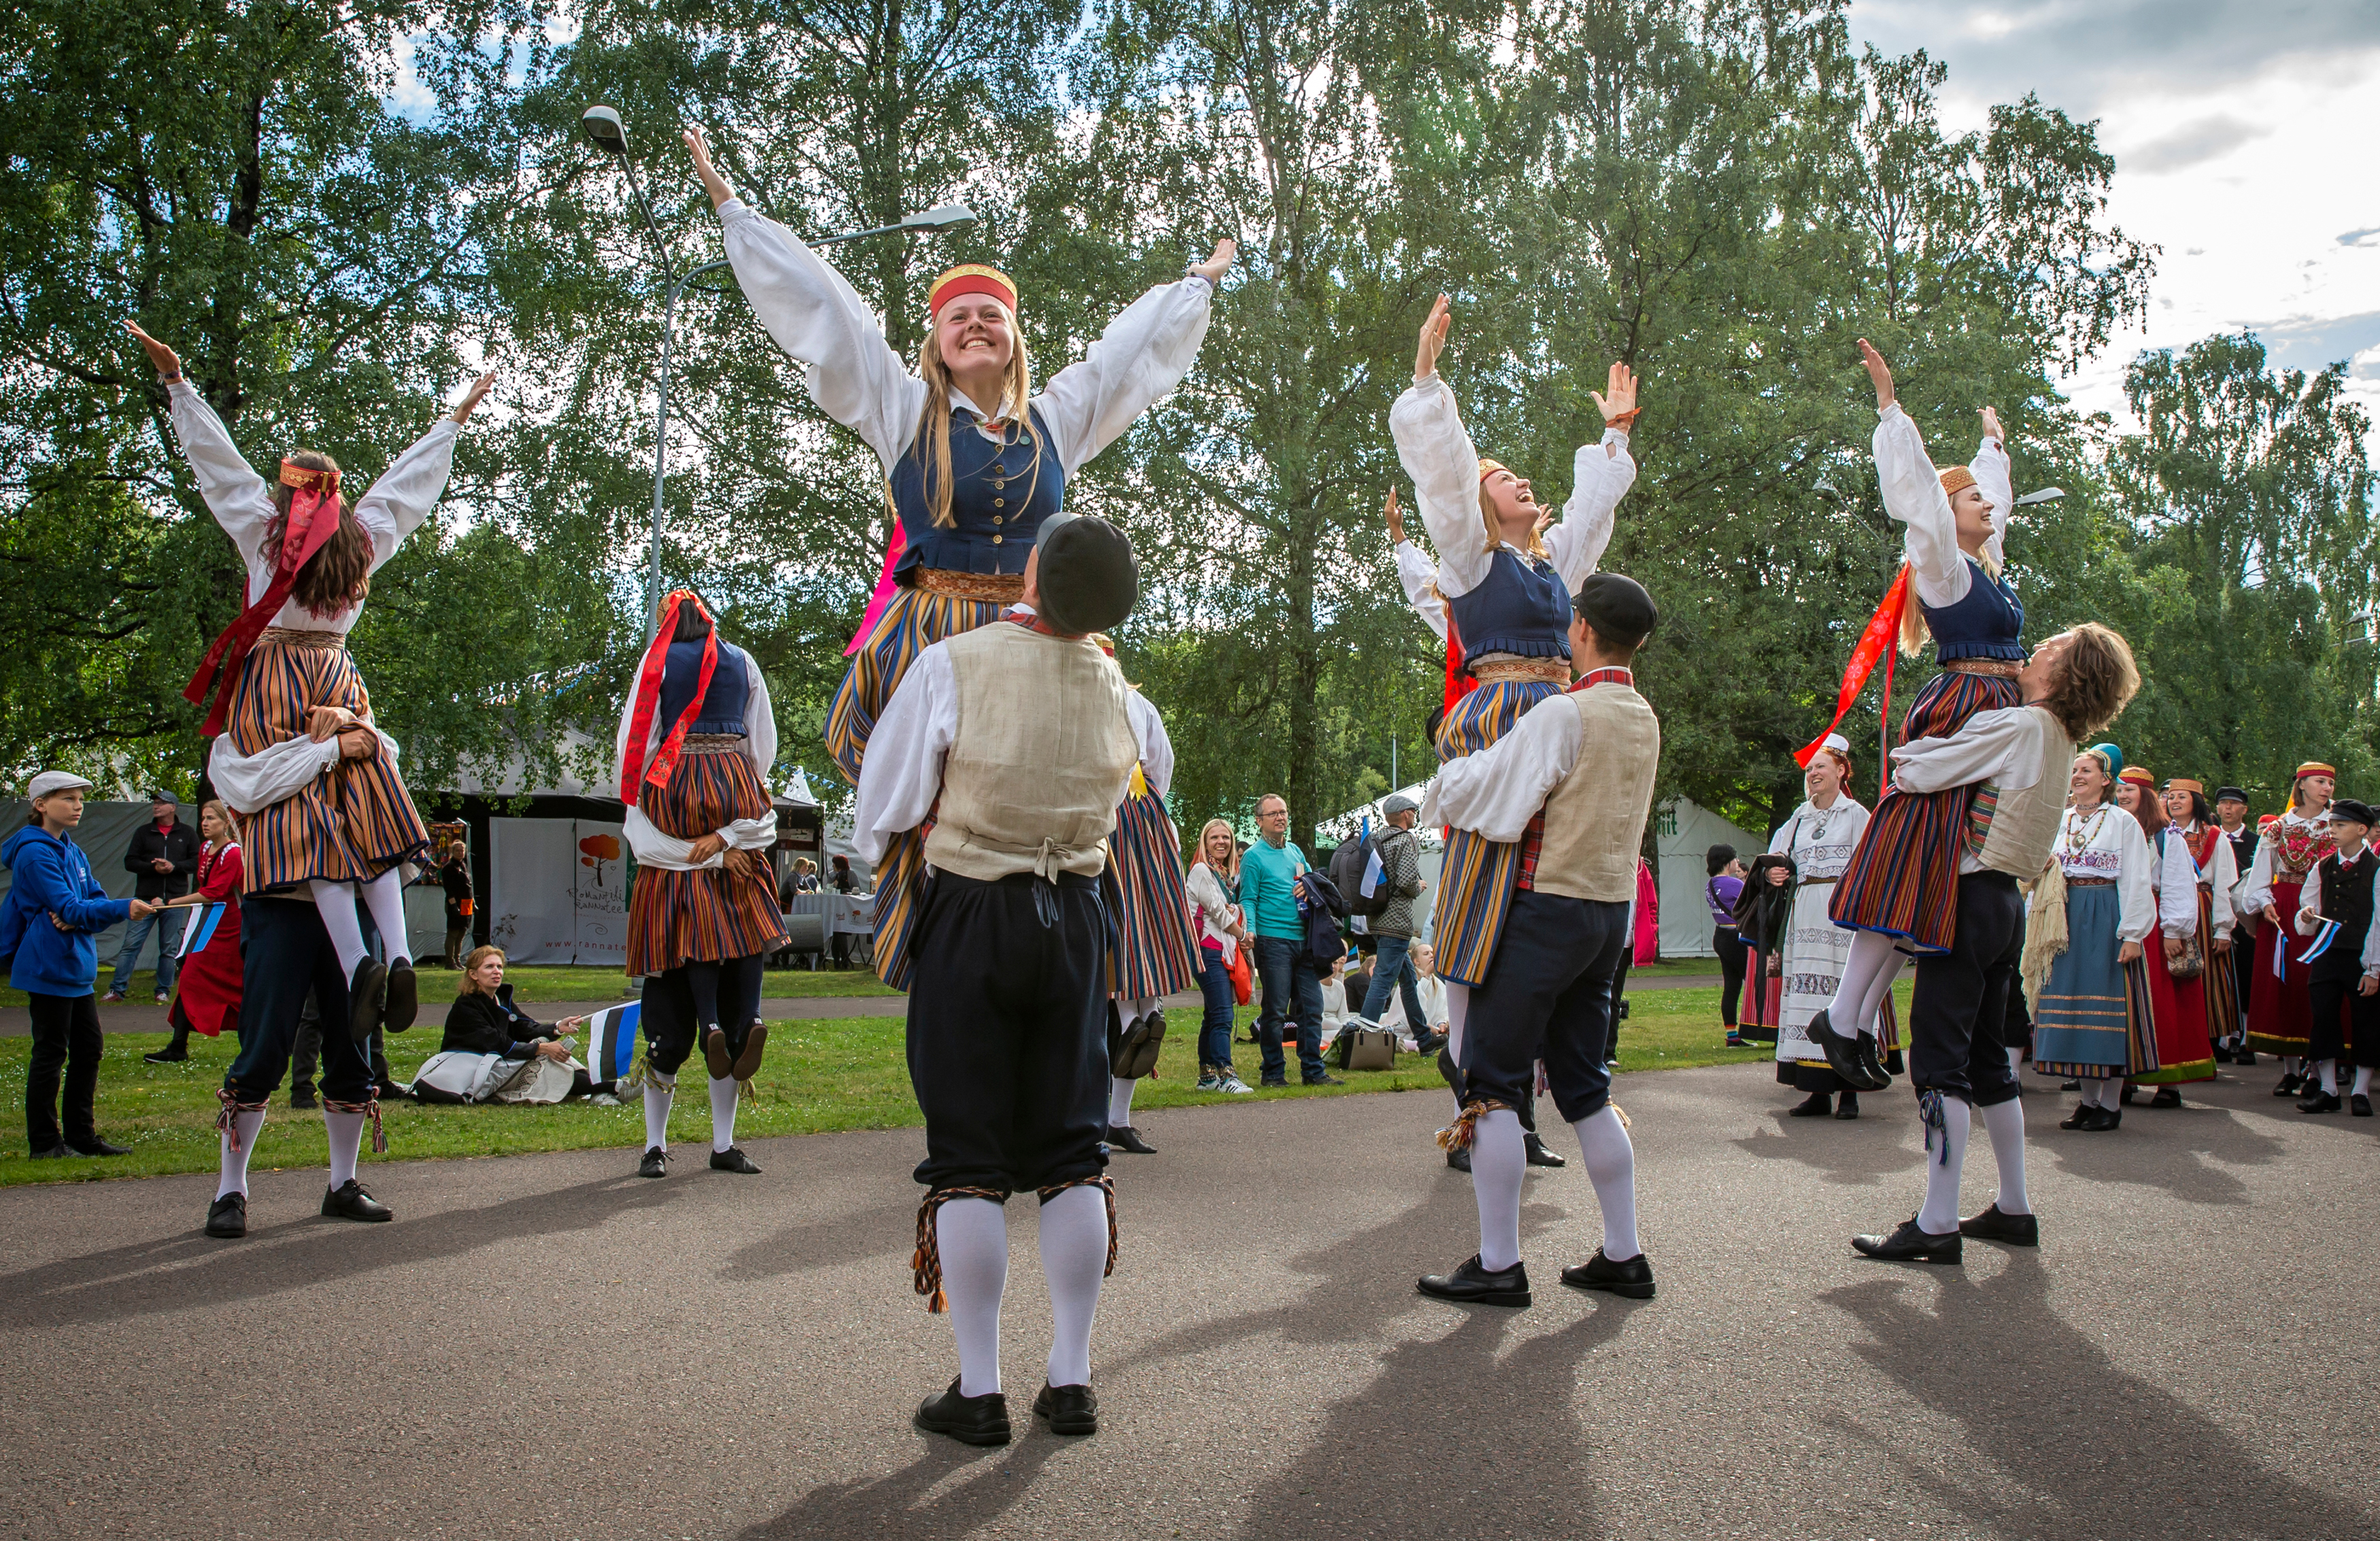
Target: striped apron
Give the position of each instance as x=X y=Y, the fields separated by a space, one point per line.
x=1153 y=948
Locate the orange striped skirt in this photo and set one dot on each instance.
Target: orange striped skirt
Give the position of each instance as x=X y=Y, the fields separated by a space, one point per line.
x=1474 y=884
x=1153 y=944
x=708 y=916
x=350 y=824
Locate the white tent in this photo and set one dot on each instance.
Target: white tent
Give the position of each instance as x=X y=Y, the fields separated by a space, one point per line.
x=1683 y=832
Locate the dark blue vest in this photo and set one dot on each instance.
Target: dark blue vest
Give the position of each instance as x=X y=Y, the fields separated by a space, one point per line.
x=1000 y=494
x=1983 y=625
x=723 y=708
x=1521 y=606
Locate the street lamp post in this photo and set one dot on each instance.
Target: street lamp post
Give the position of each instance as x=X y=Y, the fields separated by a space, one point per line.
x=609 y=134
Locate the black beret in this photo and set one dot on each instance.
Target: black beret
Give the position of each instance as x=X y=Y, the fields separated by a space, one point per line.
x=1617 y=607
x=2348 y=808
x=1087 y=576
x=2229 y=794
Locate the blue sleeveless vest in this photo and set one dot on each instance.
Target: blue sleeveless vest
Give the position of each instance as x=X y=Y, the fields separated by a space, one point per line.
x=723 y=708
x=995 y=518
x=1521 y=606
x=1983 y=625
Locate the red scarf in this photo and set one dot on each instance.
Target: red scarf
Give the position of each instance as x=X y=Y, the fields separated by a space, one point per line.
x=1609 y=674
x=1459 y=682
x=314 y=514
x=633 y=772
x=1879 y=640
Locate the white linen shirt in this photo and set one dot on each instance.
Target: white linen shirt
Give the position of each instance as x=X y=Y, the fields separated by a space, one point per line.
x=2309 y=920
x=2002 y=746
x=2113 y=845
x=1495 y=792
x=2176 y=877
x=1912 y=494
x=1416 y=573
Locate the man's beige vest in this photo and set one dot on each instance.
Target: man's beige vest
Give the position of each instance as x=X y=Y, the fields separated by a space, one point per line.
x=1040 y=757
x=1595 y=816
x=2023 y=827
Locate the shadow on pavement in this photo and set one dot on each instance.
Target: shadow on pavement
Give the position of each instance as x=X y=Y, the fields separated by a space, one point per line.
x=896 y=1505
x=2173 y=1150
x=858 y=1236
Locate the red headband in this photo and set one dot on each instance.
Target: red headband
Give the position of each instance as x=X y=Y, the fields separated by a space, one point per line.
x=973 y=278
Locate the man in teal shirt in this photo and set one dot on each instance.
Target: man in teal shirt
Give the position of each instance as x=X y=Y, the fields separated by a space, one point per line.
x=1269 y=874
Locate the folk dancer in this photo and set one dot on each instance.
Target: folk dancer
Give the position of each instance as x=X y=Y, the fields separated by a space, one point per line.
x=1816 y=843
x=2189 y=978
x=2289 y=846
x=2232 y=813
x=2343 y=962
x=2085 y=954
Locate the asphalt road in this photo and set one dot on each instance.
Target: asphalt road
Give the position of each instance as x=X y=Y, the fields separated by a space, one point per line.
x=546 y=1346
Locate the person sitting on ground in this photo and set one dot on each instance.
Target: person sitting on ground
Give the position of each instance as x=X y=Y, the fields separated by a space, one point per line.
x=483 y=1020
x=1334 y=999
x=1430 y=1033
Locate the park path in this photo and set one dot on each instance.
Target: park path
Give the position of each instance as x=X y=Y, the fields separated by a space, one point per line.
x=546 y=1346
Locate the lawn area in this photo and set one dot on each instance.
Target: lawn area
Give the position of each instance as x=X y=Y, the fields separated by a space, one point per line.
x=536 y=982
x=820 y=1075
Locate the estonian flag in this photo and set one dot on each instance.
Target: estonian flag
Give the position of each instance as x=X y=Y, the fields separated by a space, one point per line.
x=612 y=1041
x=198 y=932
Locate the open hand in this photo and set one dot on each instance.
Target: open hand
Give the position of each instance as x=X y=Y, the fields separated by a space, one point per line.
x=1879 y=373
x=168 y=362
x=1227 y=250
x=1396 y=520
x=1992 y=426
x=475 y=394
x=1617 y=400
x=698 y=145
x=1433 y=338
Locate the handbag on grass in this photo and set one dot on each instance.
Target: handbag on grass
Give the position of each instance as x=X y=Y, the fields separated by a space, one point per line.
x=1366 y=1048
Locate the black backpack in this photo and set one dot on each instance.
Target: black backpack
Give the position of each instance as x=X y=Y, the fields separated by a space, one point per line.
x=1347 y=864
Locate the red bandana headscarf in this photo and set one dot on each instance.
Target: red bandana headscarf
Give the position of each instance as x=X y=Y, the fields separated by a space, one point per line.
x=634 y=771
x=314 y=514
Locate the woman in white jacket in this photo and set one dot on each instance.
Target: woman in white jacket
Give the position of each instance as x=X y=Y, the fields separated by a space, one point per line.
x=1213 y=884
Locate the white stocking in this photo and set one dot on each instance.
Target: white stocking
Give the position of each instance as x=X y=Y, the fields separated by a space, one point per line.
x=2105 y=1093
x=1940 y=1216
x=2328 y=1069
x=1878 y=989
x=346 y=1133
x=2362 y=1081
x=2005 y=1122
x=337 y=903
x=384 y=896
x=235 y=1162
x=1871 y=951
x=723 y=1112
x=657 y=1112
x=972 y=1236
x=1458 y=1004
x=1499 y=1162
x=2016 y=1061
x=1073 y=1260
x=1610 y=1158
x=1120 y=1103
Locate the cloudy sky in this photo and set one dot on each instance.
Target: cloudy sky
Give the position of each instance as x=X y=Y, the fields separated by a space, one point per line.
x=2244 y=137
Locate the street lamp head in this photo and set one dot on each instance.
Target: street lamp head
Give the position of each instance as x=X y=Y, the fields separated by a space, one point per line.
x=2048 y=494
x=603 y=125
x=940 y=218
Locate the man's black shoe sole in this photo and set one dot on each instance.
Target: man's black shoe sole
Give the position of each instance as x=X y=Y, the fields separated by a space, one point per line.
x=966 y=1436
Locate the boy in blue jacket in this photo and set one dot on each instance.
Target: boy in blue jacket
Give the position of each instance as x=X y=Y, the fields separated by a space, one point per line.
x=53 y=911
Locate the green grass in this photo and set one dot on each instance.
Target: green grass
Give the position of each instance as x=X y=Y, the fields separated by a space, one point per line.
x=820 y=1075
x=537 y=982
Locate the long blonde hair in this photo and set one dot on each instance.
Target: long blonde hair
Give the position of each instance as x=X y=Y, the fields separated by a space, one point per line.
x=932 y=445
x=1914 y=633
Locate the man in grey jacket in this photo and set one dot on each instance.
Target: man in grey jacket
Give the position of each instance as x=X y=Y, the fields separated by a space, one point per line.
x=1399 y=853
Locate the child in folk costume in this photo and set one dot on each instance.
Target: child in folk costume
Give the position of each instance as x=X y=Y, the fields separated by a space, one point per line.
x=1901 y=888
x=696 y=738
x=2092 y=1010
x=2231 y=814
x=2289 y=844
x=1010 y=746
x=2190 y=976
x=1571 y=785
x=206 y=987
x=2339 y=909
x=1145 y=889
x=2074 y=684
x=1818 y=840
x=323 y=814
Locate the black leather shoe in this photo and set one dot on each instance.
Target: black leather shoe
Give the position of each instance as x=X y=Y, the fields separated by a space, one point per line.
x=1852 y=1058
x=403 y=1001
x=1632 y=1278
x=302 y=1098
x=2320 y=1102
x=733 y=1160
x=1908 y=1245
x=2130 y=1092
x=747 y=1063
x=655 y=1164
x=1470 y=1284
x=2081 y=1117
x=1123 y=1136
x=55 y=1153
x=1815 y=1105
x=1430 y=1044
x=2290 y=1085
x=1068 y=1409
x=969 y=1420
x=167 y=1056
x=2069 y=1085
x=2105 y=1121
x=716 y=1054
x=1537 y=1153
x=367 y=995
x=2167 y=1097
x=1459 y=1159
x=1996 y=1224
x=1847 y=1104
x=1274 y=1081
x=2243 y=1058
x=349 y=1201
x=2360 y=1105
x=2222 y=1053
x=1325 y=1079
x=97 y=1147
x=227 y=1218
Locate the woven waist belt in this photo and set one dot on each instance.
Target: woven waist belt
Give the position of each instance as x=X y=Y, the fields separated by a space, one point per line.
x=2090 y=883
x=1495 y=668
x=711 y=744
x=290 y=636
x=2007 y=668
x=990 y=588
x=1818 y=882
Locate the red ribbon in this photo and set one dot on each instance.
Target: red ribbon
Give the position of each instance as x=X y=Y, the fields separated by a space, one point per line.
x=1878 y=640
x=633 y=772
x=1459 y=682
x=314 y=514
x=882 y=595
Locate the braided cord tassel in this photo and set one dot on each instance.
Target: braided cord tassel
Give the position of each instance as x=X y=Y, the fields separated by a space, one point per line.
x=1106 y=1184
x=926 y=1261
x=369 y=1107
x=226 y=1119
x=1930 y=1114
x=1459 y=1134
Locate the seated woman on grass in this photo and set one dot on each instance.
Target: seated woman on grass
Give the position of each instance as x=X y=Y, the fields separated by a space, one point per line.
x=483 y=1020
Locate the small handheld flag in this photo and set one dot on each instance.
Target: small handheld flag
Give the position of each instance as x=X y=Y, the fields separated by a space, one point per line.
x=612 y=1041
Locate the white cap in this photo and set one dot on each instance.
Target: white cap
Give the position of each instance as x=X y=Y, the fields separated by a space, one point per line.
x=1838 y=743
x=53 y=781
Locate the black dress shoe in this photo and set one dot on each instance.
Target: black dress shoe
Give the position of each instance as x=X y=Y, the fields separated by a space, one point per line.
x=227 y=1216
x=2360 y=1105
x=1325 y=1079
x=655 y=1164
x=747 y=1063
x=1996 y=1224
x=1847 y=1104
x=2320 y=1102
x=733 y=1160
x=1459 y=1159
x=2167 y=1097
x=2105 y=1121
x=1851 y=1058
x=349 y=1201
x=303 y=1097
x=2222 y=1054
x=716 y=1054
x=2081 y=1117
x=2289 y=1086
x=1815 y=1105
x=2243 y=1058
x=1470 y=1284
x=55 y=1153
x=1908 y=1245
x=1123 y=1136
x=367 y=995
x=403 y=1000
x=969 y=1420
x=1632 y=1278
x=1537 y=1154
x=1068 y=1409
x=2125 y=1099
x=167 y=1056
x=97 y=1147
x=2069 y=1085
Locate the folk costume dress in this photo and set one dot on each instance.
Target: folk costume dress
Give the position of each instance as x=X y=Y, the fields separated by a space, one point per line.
x=2289 y=846
x=1903 y=879
x=1819 y=842
x=2093 y=1017
x=206 y=990
x=2342 y=942
x=1155 y=950
x=1508 y=611
x=2192 y=867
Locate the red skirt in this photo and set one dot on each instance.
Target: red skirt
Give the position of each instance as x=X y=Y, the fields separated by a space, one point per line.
x=707 y=916
x=2279 y=1015
x=2185 y=1052
x=206 y=991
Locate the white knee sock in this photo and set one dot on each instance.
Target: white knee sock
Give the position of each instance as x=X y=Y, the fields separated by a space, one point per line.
x=346 y=1133
x=1610 y=1158
x=235 y=1162
x=972 y=1236
x=1499 y=1162
x=1871 y=951
x=1120 y=1103
x=1073 y=1259
x=384 y=896
x=1940 y=1215
x=2328 y=1070
x=2362 y=1081
x=2105 y=1093
x=1879 y=989
x=657 y=1112
x=2005 y=1122
x=337 y=903
x=1458 y=1004
x=723 y=1112
x=2016 y=1061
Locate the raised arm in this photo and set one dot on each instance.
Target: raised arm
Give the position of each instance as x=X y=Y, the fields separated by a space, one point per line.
x=1994 y=479
x=1499 y=790
x=1437 y=453
x=396 y=504
x=1913 y=492
x=1141 y=356
x=1602 y=474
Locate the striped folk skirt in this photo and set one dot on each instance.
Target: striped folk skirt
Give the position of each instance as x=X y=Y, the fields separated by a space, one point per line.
x=2280 y=1016
x=1154 y=951
x=2189 y=1011
x=350 y=824
x=1903 y=879
x=709 y=916
x=2095 y=1016
x=1475 y=886
x=912 y=621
